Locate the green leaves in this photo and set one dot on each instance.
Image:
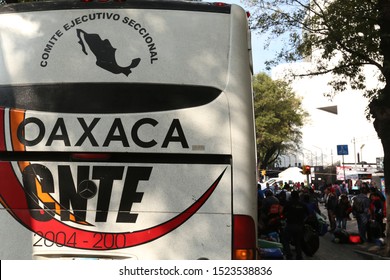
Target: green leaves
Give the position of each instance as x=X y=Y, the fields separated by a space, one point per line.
x=279 y=117
x=339 y=37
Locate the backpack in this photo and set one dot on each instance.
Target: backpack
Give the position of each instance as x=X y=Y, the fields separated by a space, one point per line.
x=341 y=236
x=337 y=190
x=358 y=205
x=377 y=207
x=275 y=209
x=310 y=241
x=381 y=196
x=275 y=215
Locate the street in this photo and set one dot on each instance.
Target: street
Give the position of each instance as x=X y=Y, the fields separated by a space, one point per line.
x=330 y=250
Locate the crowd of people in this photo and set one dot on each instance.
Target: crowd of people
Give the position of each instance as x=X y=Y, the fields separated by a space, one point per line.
x=286 y=209
x=368 y=206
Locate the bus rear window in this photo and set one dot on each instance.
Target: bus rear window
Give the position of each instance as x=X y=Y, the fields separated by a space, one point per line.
x=105 y=98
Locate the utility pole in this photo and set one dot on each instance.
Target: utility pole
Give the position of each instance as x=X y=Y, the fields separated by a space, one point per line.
x=361 y=152
x=322 y=155
x=331 y=155
x=354 y=150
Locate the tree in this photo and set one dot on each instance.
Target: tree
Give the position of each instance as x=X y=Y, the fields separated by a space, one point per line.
x=279 y=117
x=343 y=38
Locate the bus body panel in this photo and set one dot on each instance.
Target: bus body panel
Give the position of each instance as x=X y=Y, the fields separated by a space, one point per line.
x=189 y=131
x=143 y=177
x=117 y=210
x=35 y=44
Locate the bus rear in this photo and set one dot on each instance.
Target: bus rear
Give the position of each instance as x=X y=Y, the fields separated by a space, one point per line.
x=126 y=129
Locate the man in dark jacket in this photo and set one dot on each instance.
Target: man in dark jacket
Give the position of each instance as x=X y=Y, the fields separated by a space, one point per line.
x=361 y=210
x=330 y=205
x=295 y=213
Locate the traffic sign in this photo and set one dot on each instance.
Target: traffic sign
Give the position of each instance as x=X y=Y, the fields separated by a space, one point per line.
x=342 y=150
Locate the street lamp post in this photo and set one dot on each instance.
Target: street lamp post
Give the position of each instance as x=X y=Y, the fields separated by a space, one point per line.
x=284 y=157
x=361 y=152
x=296 y=161
x=311 y=154
x=322 y=155
x=303 y=157
x=331 y=155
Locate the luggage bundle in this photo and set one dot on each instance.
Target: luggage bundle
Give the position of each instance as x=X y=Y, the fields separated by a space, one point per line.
x=322 y=225
x=354 y=238
x=311 y=241
x=270 y=248
x=342 y=236
x=271 y=254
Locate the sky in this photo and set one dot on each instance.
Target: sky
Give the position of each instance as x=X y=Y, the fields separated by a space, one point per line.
x=323 y=131
x=260 y=55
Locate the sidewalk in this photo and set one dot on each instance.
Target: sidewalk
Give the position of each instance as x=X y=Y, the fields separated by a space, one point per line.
x=371 y=251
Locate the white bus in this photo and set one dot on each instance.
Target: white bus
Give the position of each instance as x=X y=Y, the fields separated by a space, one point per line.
x=126 y=130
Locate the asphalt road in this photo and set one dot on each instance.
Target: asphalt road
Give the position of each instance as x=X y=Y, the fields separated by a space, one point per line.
x=330 y=250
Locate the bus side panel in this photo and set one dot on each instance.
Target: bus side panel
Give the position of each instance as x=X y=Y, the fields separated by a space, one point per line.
x=242 y=119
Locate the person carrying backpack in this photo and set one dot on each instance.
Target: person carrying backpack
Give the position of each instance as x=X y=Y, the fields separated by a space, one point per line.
x=295 y=213
x=313 y=209
x=270 y=212
x=343 y=209
x=330 y=205
x=361 y=210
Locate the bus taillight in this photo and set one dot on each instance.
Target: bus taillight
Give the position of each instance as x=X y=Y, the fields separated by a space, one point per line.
x=244 y=238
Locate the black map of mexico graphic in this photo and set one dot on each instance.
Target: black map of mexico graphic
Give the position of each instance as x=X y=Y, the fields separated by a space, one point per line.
x=104 y=53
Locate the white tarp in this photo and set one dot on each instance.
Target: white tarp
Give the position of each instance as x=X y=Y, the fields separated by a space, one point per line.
x=293 y=174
